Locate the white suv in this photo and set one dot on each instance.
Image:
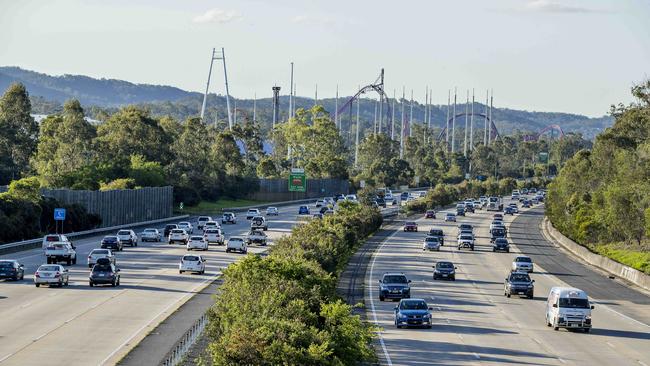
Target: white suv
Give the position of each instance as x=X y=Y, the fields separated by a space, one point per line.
x=128 y=237
x=252 y=212
x=202 y=220
x=178 y=235
x=213 y=236
x=186 y=226
x=192 y=263
x=236 y=244
x=197 y=242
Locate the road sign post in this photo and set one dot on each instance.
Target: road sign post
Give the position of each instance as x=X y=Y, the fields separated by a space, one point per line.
x=297 y=180
x=59 y=215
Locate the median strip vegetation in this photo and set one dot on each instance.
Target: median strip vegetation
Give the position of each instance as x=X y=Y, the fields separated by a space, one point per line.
x=283 y=309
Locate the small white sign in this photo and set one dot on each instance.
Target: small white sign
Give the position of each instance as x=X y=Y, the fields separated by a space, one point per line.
x=297 y=170
x=362 y=183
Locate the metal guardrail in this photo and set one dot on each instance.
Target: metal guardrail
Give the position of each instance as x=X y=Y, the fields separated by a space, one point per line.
x=176 y=355
x=274 y=204
x=35 y=243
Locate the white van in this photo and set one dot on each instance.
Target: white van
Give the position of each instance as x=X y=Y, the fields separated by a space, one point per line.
x=569 y=308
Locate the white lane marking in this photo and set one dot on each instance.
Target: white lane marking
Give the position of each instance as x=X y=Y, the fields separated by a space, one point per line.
x=622 y=315
x=561 y=360
x=477 y=356
x=641 y=363
x=611 y=345
x=537 y=340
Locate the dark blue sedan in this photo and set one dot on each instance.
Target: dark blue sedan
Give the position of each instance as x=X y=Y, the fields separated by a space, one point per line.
x=413 y=313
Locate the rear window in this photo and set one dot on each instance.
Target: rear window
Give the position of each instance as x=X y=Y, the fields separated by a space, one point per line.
x=178 y=231
x=6 y=265
x=191 y=258
x=197 y=238
x=465 y=237
x=204 y=219
x=523 y=259
x=212 y=231
x=123 y=232
x=48 y=268
x=410 y=223
x=52 y=238
x=150 y=230
x=102 y=268
x=99 y=251
x=435 y=232
x=395 y=279
x=444 y=265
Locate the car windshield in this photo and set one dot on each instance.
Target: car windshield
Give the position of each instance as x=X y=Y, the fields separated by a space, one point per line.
x=410 y=223
x=524 y=259
x=150 y=230
x=519 y=277
x=199 y=238
x=227 y=215
x=110 y=238
x=435 y=232
x=191 y=258
x=52 y=238
x=498 y=231
x=178 y=231
x=204 y=219
x=395 y=279
x=444 y=265
x=235 y=239
x=501 y=241
x=450 y=215
x=465 y=237
x=431 y=239
x=414 y=305
x=99 y=251
x=102 y=268
x=123 y=232
x=48 y=268
x=574 y=303
x=6 y=265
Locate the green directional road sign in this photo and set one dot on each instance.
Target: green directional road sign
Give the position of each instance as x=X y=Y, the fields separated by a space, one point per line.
x=543 y=157
x=297 y=180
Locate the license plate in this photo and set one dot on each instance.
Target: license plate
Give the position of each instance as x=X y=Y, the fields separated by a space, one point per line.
x=444 y=275
x=395 y=292
x=573 y=325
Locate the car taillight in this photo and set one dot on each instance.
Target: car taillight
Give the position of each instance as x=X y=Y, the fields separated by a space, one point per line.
x=37 y=275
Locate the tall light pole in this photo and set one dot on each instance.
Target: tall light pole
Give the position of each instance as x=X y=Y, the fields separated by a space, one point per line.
x=453 y=125
x=466 y=126
x=356 y=139
x=411 y=116
x=485 y=127
x=336 y=108
x=392 y=118
x=471 y=125
x=401 y=135
x=207 y=86
x=447 y=120
x=291 y=93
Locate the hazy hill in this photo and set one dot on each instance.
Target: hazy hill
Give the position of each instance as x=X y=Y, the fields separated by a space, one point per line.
x=106 y=95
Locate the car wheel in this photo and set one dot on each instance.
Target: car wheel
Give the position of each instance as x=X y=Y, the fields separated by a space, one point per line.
x=180 y=272
x=37 y=284
x=381 y=298
x=399 y=326
x=227 y=250
x=74 y=261
x=114 y=283
x=22 y=276
x=586 y=330
x=508 y=295
x=429 y=326
x=453 y=278
x=118 y=281
x=68 y=261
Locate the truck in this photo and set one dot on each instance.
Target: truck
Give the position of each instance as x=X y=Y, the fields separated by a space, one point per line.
x=61 y=252
x=494 y=204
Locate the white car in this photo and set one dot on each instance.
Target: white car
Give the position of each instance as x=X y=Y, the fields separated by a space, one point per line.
x=431 y=243
x=54 y=238
x=229 y=218
x=151 y=235
x=272 y=211
x=51 y=274
x=192 y=263
x=320 y=203
x=197 y=242
x=201 y=221
x=178 y=236
x=213 y=236
x=523 y=263
x=187 y=226
x=259 y=222
x=211 y=225
x=95 y=254
x=352 y=197
x=128 y=237
x=236 y=244
x=466 y=241
x=252 y=212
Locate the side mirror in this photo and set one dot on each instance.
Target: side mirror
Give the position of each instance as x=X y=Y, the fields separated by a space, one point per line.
x=409 y=281
x=430 y=308
x=592 y=307
x=65 y=270
x=395 y=308
x=379 y=281
x=118 y=270
x=554 y=305
x=455 y=267
x=532 y=281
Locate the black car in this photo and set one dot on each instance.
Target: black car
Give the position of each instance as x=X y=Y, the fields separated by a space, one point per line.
x=394 y=286
x=444 y=270
x=380 y=202
x=496 y=233
x=11 y=269
x=519 y=283
x=404 y=196
x=113 y=243
x=104 y=273
x=469 y=207
x=339 y=197
x=439 y=234
x=168 y=229
x=501 y=245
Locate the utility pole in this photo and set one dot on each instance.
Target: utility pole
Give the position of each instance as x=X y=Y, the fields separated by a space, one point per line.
x=426 y=113
x=207 y=86
x=447 y=120
x=401 y=135
x=471 y=125
x=336 y=108
x=491 y=120
x=374 y=127
x=276 y=104
x=356 y=139
x=235 y=110
x=485 y=127
x=291 y=94
x=381 y=101
x=453 y=125
x=254 y=107
x=316 y=96
x=466 y=126
x=392 y=119
x=411 y=116
x=225 y=76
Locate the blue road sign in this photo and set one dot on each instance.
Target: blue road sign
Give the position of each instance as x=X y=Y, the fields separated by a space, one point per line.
x=59 y=214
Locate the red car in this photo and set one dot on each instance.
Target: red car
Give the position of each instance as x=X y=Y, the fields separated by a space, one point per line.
x=430 y=214
x=410 y=226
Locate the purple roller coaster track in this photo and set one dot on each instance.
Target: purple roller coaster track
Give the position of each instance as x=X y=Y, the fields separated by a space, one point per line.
x=551 y=128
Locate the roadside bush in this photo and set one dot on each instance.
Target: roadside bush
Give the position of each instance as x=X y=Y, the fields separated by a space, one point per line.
x=298 y=318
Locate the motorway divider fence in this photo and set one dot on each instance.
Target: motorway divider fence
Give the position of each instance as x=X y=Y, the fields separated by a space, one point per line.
x=36 y=243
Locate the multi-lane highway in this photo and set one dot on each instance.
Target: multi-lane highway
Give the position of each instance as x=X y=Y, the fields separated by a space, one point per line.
x=474 y=323
x=80 y=325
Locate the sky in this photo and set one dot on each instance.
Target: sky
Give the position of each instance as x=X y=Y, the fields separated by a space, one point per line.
x=577 y=56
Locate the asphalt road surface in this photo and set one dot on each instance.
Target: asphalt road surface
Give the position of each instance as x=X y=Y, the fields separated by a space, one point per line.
x=80 y=325
x=474 y=323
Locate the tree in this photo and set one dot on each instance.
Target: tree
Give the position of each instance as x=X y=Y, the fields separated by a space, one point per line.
x=65 y=145
x=18 y=133
x=146 y=173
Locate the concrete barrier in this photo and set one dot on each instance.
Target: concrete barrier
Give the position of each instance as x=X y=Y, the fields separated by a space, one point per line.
x=609 y=265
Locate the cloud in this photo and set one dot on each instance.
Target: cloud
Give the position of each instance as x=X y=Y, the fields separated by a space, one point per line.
x=217 y=15
x=306 y=19
x=547 y=6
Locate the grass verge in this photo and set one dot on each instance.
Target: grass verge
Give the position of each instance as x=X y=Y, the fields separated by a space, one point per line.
x=637 y=258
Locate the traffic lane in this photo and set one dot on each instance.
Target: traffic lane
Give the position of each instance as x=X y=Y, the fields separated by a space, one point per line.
x=457 y=314
x=615 y=295
x=143 y=285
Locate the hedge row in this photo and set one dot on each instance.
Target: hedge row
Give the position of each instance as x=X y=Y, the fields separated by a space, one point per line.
x=283 y=309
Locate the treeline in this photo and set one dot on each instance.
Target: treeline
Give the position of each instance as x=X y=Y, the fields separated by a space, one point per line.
x=445 y=194
x=25 y=214
x=601 y=198
x=283 y=309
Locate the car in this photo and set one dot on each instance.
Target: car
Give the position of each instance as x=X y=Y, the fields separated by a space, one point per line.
x=95 y=254
x=178 y=236
x=478 y=205
x=533 y=190
x=469 y=207
x=104 y=273
x=523 y=263
x=128 y=237
x=410 y=226
x=450 y=217
x=150 y=235
x=228 y=218
x=431 y=243
x=465 y=232
x=394 y=286
x=514 y=196
x=11 y=269
x=439 y=234
x=568 y=307
x=201 y=221
x=519 y=283
x=328 y=201
x=168 y=229
x=526 y=204
x=187 y=226
x=501 y=245
x=497 y=232
x=465 y=227
x=444 y=270
x=61 y=252
x=236 y=244
x=197 y=242
x=498 y=224
x=211 y=225
x=54 y=238
x=497 y=216
x=413 y=313
x=466 y=241
x=213 y=236
x=524 y=191
x=319 y=203
x=256 y=237
x=339 y=197
x=380 y=202
x=508 y=210
x=303 y=210
x=430 y=214
x=353 y=197
x=259 y=222
x=192 y=263
x=514 y=207
x=460 y=209
x=404 y=196
x=317 y=216
x=272 y=211
x=535 y=201
x=51 y=275
x=112 y=242
x=252 y=212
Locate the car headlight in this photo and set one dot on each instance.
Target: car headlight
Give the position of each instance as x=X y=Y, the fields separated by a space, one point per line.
x=530 y=286
x=452 y=272
x=406 y=289
x=588 y=317
x=401 y=317
x=383 y=288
